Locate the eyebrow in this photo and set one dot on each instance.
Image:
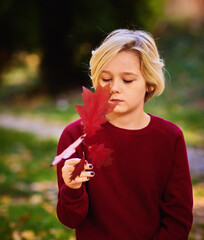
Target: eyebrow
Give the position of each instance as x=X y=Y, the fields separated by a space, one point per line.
x=129 y=73
x=125 y=73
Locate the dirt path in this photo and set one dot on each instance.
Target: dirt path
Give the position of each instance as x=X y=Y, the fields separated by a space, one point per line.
x=44 y=130
x=36 y=126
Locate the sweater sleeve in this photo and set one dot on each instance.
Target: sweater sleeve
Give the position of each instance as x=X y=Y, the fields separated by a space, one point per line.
x=177 y=201
x=72 y=205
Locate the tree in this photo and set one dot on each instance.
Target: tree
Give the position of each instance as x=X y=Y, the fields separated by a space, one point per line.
x=66 y=31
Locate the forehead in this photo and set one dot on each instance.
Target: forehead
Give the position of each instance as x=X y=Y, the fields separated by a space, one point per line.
x=124 y=61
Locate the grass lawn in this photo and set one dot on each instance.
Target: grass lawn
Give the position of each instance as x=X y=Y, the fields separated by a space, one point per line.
x=28 y=191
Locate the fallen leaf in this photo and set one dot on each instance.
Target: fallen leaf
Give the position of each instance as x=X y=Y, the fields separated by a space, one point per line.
x=56 y=232
x=42 y=233
x=49 y=207
x=35 y=199
x=5 y=199
x=16 y=235
x=28 y=234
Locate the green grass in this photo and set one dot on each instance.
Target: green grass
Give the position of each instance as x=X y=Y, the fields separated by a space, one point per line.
x=188 y=118
x=45 y=108
x=183 y=99
x=27 y=198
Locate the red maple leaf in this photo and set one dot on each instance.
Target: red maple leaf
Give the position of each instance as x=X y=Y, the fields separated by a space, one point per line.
x=79 y=167
x=93 y=115
x=95 y=107
x=100 y=155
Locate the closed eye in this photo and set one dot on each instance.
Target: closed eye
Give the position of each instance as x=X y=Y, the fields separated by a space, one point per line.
x=127 y=81
x=106 y=79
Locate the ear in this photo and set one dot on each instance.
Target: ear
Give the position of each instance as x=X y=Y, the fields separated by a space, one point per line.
x=150 y=88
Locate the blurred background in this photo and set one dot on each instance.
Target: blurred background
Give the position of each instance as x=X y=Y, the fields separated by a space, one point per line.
x=45 y=47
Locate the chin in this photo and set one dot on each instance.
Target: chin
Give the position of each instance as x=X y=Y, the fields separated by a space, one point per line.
x=118 y=111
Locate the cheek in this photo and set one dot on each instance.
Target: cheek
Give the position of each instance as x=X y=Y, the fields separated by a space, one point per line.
x=138 y=91
x=101 y=82
x=142 y=88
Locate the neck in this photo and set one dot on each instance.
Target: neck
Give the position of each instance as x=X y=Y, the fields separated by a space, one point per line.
x=135 y=121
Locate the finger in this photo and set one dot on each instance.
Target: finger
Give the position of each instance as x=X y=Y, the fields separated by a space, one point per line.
x=82 y=179
x=69 y=168
x=87 y=174
x=72 y=161
x=88 y=166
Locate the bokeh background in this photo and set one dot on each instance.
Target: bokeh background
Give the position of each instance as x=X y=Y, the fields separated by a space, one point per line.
x=45 y=47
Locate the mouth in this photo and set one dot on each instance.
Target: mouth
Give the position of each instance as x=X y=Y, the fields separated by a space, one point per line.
x=116 y=101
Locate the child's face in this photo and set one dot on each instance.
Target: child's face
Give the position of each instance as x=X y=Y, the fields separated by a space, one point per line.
x=128 y=86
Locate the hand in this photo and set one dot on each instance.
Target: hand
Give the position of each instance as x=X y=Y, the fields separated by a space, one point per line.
x=68 y=168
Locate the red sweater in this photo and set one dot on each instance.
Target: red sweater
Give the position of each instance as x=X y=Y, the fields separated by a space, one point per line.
x=145 y=194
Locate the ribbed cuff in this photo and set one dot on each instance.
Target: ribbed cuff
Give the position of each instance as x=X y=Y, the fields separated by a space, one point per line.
x=72 y=193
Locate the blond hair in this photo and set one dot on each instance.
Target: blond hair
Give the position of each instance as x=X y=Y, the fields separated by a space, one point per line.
x=139 y=42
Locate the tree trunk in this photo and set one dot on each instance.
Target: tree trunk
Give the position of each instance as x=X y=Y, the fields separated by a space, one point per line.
x=57 y=68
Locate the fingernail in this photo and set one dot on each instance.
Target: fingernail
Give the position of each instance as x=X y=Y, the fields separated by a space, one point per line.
x=88 y=177
x=92 y=173
x=90 y=165
x=86 y=162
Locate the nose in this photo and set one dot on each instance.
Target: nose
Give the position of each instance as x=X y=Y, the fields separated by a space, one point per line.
x=115 y=86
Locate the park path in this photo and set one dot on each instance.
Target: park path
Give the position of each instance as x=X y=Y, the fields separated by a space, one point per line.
x=43 y=129
x=36 y=126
